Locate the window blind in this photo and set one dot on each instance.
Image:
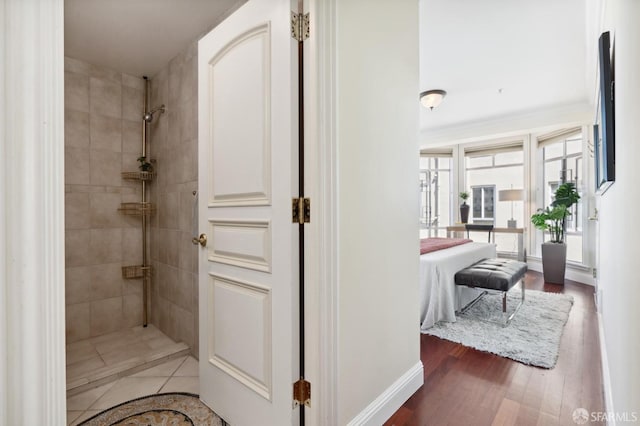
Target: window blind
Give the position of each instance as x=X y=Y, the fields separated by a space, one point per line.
x=557 y=136
x=437 y=152
x=480 y=151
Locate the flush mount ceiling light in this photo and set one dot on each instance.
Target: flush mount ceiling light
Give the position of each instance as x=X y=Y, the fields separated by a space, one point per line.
x=432 y=98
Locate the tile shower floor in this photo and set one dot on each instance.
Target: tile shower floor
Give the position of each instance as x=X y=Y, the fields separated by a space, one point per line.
x=176 y=375
x=103 y=359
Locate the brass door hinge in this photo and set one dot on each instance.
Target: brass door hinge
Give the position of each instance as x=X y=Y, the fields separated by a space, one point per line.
x=302 y=393
x=301 y=210
x=299 y=26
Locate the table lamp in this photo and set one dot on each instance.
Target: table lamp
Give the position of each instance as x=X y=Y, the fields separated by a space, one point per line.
x=511 y=195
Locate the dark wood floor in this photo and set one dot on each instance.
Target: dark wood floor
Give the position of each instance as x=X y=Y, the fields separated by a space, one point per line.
x=463 y=386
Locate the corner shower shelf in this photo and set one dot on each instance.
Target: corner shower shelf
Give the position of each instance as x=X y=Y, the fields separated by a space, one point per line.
x=137 y=209
x=138 y=175
x=135 y=271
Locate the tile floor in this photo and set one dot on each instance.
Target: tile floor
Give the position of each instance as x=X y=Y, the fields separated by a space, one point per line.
x=177 y=375
x=105 y=358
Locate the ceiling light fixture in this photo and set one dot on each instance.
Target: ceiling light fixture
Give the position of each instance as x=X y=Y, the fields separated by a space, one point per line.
x=432 y=98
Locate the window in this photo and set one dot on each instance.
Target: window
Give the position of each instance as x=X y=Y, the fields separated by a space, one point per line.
x=483 y=204
x=435 y=194
x=488 y=169
x=562 y=162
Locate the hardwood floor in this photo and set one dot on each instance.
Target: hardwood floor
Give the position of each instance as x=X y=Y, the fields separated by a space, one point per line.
x=463 y=386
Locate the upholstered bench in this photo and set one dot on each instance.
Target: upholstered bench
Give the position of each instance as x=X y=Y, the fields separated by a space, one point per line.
x=493 y=275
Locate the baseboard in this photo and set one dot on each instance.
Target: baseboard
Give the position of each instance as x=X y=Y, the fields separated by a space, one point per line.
x=573 y=274
x=391 y=399
x=606 y=376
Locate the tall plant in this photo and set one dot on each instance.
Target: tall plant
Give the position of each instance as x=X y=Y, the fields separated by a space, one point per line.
x=553 y=218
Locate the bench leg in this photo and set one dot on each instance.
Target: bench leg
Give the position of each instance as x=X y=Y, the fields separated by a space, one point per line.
x=504 y=305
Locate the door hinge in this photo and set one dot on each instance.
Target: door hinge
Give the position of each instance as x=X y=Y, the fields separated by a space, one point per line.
x=299 y=26
x=301 y=210
x=301 y=393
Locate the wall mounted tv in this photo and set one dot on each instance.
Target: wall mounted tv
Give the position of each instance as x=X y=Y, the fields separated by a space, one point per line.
x=604 y=128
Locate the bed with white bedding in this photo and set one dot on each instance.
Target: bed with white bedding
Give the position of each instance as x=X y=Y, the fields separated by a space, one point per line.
x=439 y=296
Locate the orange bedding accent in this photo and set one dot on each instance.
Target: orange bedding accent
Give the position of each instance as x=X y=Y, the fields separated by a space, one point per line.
x=428 y=245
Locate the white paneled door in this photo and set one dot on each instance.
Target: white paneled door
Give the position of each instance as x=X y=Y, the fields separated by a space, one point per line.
x=247 y=163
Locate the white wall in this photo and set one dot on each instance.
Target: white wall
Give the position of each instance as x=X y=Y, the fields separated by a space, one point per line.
x=619 y=248
x=378 y=164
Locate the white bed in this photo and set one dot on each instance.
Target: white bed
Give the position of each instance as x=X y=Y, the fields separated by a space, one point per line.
x=439 y=296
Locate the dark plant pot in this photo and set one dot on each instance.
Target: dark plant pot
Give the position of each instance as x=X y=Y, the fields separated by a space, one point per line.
x=554 y=262
x=464 y=212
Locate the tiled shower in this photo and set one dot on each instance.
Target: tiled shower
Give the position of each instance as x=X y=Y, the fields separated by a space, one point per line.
x=103 y=131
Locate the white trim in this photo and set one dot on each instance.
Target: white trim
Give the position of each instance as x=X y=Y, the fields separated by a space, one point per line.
x=574 y=274
x=32 y=285
x=606 y=375
x=325 y=182
x=392 y=398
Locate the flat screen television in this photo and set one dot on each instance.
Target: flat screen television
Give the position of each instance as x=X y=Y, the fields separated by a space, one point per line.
x=604 y=128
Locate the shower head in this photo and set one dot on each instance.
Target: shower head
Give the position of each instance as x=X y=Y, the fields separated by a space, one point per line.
x=148 y=116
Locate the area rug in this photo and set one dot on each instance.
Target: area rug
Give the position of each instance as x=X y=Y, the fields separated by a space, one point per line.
x=175 y=409
x=532 y=337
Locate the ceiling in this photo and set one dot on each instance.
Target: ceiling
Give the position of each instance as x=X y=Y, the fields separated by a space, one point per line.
x=499 y=58
x=138 y=37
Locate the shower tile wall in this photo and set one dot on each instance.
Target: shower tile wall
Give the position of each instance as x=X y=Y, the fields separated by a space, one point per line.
x=174 y=146
x=102 y=139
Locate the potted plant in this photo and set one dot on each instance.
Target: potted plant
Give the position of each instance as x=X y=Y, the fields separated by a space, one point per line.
x=464 y=207
x=552 y=219
x=145 y=166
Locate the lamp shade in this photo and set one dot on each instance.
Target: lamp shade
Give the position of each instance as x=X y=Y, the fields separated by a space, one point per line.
x=511 y=195
x=432 y=98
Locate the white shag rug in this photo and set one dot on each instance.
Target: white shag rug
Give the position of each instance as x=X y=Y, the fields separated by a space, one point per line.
x=532 y=337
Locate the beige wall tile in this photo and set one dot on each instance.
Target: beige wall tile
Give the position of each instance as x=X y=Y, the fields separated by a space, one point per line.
x=187 y=251
x=184 y=325
x=77 y=243
x=106 y=133
x=76 y=166
x=175 y=75
x=169 y=205
x=106 y=245
x=183 y=294
x=173 y=247
x=106 y=316
x=133 y=81
x=174 y=130
x=76 y=210
x=77 y=288
x=189 y=161
x=106 y=97
x=76 y=65
x=167 y=319
x=132 y=246
x=105 y=281
x=102 y=73
x=76 y=128
x=132 y=137
x=77 y=322
x=76 y=91
x=132 y=309
x=105 y=168
x=133 y=286
x=104 y=210
x=189 y=118
x=133 y=103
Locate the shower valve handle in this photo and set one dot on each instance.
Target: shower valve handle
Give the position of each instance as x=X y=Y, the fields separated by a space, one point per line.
x=202 y=240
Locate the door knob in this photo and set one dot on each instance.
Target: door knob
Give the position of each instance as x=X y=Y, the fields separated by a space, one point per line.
x=202 y=240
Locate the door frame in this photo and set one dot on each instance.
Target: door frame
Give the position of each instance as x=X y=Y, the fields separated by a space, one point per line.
x=321 y=245
x=32 y=258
